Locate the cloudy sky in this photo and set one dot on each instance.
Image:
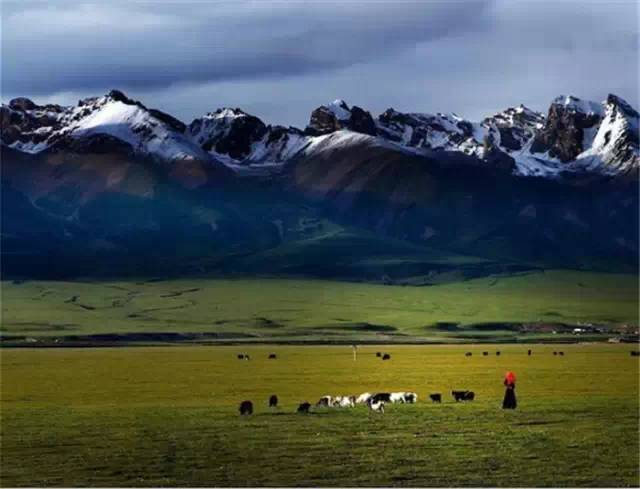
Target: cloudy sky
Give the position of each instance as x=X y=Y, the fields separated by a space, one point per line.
x=281 y=59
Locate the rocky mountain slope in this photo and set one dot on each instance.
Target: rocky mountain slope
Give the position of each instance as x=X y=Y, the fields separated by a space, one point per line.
x=112 y=185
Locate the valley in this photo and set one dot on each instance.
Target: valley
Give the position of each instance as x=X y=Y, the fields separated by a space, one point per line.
x=539 y=306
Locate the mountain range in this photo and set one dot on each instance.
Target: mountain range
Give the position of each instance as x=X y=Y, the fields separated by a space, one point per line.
x=111 y=186
x=576 y=136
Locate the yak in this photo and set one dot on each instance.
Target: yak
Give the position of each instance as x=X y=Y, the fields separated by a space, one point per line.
x=304 y=407
x=273 y=401
x=463 y=395
x=246 y=407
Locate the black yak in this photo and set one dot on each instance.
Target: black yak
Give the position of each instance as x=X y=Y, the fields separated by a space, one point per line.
x=437 y=397
x=273 y=401
x=386 y=356
x=381 y=396
x=272 y=356
x=304 y=407
x=463 y=395
x=246 y=407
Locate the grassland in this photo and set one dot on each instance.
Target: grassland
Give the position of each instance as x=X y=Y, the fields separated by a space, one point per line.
x=167 y=416
x=292 y=309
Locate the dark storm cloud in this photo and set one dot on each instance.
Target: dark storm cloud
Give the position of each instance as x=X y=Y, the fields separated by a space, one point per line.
x=72 y=46
x=281 y=59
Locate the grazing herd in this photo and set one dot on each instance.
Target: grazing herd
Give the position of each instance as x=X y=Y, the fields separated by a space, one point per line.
x=375 y=402
x=529 y=353
x=368 y=399
x=245 y=356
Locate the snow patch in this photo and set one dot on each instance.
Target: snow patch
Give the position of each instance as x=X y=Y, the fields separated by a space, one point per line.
x=135 y=126
x=340 y=109
x=578 y=105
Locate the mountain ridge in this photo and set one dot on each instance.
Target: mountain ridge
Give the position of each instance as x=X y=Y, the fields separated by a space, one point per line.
x=576 y=136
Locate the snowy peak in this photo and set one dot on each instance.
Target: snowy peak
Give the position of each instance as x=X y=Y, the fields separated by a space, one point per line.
x=238 y=138
x=587 y=136
x=338 y=115
x=521 y=116
x=428 y=131
x=227 y=113
x=227 y=132
x=148 y=132
x=613 y=147
x=512 y=128
x=574 y=104
x=339 y=109
x=613 y=102
x=568 y=121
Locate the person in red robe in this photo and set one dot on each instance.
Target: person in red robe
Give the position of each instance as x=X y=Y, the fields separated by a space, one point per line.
x=509 y=401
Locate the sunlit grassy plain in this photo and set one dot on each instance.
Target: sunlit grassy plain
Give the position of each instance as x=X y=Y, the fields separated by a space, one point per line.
x=281 y=309
x=168 y=416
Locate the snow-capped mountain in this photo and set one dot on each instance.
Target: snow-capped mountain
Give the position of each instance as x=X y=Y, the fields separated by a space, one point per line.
x=337 y=116
x=31 y=128
x=427 y=131
x=512 y=128
x=576 y=136
x=590 y=136
x=233 y=136
x=615 y=143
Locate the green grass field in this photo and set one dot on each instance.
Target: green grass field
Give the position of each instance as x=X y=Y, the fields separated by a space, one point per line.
x=288 y=309
x=168 y=416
